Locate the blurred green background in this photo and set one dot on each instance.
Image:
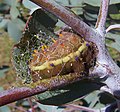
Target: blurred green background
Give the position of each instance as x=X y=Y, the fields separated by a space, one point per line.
x=13 y=16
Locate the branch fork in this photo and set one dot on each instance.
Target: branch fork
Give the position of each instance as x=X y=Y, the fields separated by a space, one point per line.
x=106 y=67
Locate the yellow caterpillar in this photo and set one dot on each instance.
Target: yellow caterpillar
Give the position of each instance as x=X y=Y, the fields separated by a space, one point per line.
x=69 y=57
x=68 y=54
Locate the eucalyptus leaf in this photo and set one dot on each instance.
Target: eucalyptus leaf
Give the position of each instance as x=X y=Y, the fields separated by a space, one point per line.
x=93 y=2
x=105 y=98
x=97 y=2
x=1 y=88
x=48 y=108
x=114 y=1
x=60 y=24
x=14 y=3
x=115 y=16
x=92 y=98
x=2 y=72
x=99 y=105
x=90 y=17
x=25 y=104
x=4 y=23
x=91 y=9
x=14 y=29
x=4 y=7
x=76 y=2
x=63 y=2
x=8 y=2
x=33 y=9
x=30 y=5
x=78 y=11
x=68 y=93
x=14 y=12
x=5 y=109
x=111 y=11
x=116 y=43
x=20 y=23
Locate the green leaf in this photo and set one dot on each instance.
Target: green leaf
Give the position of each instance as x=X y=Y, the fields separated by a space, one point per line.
x=8 y=2
x=1 y=88
x=30 y=5
x=60 y=24
x=4 y=23
x=20 y=24
x=78 y=11
x=25 y=104
x=92 y=2
x=91 y=9
x=92 y=98
x=98 y=2
x=2 y=72
x=11 y=2
x=115 y=11
x=76 y=2
x=5 y=109
x=115 y=16
x=114 y=1
x=14 y=12
x=116 y=43
x=67 y=93
x=63 y=2
x=90 y=17
x=106 y=98
x=14 y=29
x=48 y=108
x=4 y=7
x=50 y=94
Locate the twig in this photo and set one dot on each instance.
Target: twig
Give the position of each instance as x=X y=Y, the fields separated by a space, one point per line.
x=76 y=107
x=108 y=108
x=36 y=106
x=17 y=107
x=31 y=105
x=100 y=24
x=15 y=94
x=111 y=27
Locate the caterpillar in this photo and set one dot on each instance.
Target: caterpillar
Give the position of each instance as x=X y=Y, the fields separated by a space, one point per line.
x=41 y=54
x=68 y=54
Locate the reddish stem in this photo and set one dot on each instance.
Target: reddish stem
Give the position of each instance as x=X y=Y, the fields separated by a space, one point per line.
x=15 y=94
